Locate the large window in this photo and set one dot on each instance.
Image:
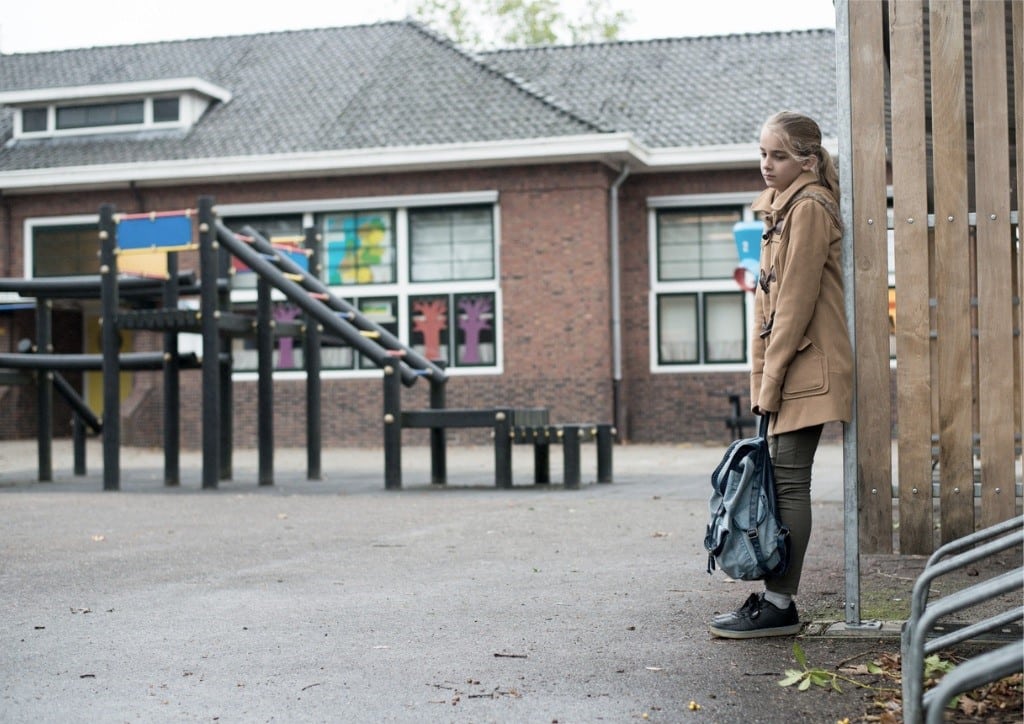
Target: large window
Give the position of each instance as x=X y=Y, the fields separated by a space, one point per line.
x=159 y=104
x=424 y=270
x=360 y=247
x=454 y=328
x=335 y=352
x=696 y=244
x=66 y=250
x=451 y=244
x=101 y=114
x=107 y=115
x=700 y=315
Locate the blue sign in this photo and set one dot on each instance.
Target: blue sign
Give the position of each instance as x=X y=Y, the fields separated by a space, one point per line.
x=145 y=233
x=748 y=248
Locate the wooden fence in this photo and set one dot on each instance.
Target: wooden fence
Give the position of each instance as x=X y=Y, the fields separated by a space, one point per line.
x=936 y=106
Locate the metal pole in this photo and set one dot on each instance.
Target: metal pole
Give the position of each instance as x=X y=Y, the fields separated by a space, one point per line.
x=438 y=435
x=111 y=350
x=172 y=382
x=851 y=531
x=571 y=456
x=211 y=343
x=44 y=390
x=503 y=448
x=265 y=382
x=225 y=427
x=392 y=427
x=313 y=363
x=78 y=438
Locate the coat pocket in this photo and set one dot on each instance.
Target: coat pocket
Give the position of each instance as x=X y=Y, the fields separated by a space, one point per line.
x=807 y=374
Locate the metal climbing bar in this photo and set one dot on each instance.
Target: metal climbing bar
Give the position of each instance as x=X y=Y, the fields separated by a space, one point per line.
x=301 y=297
x=366 y=326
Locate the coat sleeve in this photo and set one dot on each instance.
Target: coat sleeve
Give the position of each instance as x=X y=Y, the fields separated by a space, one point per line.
x=798 y=267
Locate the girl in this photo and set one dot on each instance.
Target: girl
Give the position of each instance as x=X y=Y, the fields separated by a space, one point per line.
x=802 y=368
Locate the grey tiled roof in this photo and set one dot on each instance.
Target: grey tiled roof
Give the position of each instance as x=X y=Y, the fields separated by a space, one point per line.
x=382 y=85
x=687 y=91
x=396 y=84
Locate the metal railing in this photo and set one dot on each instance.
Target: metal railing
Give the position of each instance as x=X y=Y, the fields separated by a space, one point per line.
x=924 y=617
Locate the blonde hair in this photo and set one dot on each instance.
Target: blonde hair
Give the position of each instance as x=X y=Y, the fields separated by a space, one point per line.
x=801 y=137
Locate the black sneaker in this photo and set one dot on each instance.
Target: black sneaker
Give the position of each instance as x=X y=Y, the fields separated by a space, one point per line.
x=755 y=619
x=752 y=602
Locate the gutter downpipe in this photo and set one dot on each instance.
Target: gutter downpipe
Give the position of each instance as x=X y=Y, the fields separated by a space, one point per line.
x=613 y=236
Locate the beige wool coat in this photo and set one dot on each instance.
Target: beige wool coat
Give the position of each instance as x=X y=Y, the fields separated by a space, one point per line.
x=802 y=362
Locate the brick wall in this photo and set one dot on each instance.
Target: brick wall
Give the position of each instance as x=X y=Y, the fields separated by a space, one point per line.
x=555 y=278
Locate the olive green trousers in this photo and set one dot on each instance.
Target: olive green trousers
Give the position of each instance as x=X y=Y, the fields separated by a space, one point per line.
x=793 y=456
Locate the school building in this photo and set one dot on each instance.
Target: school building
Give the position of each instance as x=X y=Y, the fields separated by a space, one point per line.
x=553 y=223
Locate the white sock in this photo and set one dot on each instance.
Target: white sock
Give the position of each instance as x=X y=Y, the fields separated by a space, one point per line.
x=779 y=600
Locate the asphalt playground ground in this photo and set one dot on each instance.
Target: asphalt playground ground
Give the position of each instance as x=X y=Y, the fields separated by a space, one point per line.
x=338 y=601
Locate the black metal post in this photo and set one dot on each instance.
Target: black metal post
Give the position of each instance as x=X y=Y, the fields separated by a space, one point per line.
x=44 y=390
x=172 y=382
x=605 y=440
x=211 y=343
x=265 y=383
x=78 y=440
x=503 y=448
x=438 y=436
x=541 y=456
x=313 y=363
x=571 y=455
x=392 y=427
x=111 y=344
x=227 y=391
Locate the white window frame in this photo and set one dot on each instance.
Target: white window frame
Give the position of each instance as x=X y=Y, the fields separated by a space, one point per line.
x=402 y=288
x=27 y=235
x=657 y=287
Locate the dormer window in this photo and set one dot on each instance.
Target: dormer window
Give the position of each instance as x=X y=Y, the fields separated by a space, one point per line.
x=165 y=110
x=174 y=103
x=34 y=120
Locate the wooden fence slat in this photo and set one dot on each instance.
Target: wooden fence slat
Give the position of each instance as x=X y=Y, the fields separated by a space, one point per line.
x=952 y=273
x=874 y=410
x=995 y=283
x=913 y=317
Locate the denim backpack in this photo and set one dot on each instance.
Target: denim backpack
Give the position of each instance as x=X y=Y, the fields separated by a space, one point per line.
x=745 y=537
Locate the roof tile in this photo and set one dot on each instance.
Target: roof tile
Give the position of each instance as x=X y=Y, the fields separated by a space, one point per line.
x=395 y=84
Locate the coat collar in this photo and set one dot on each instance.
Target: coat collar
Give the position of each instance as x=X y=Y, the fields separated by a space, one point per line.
x=771 y=202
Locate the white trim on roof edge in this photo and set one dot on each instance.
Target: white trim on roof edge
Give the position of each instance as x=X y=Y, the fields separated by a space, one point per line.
x=612 y=148
x=100 y=91
x=737 y=155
